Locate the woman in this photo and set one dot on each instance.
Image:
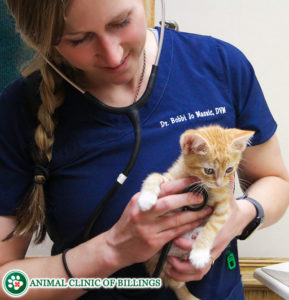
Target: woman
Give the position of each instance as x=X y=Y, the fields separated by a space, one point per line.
x=105 y=48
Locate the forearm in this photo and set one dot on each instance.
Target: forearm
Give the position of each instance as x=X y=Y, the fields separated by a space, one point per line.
x=273 y=194
x=263 y=167
x=89 y=260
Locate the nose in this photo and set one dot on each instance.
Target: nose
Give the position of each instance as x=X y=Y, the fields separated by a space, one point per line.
x=218 y=182
x=109 y=52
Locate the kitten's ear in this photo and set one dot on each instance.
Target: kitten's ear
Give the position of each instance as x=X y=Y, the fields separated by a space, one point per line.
x=193 y=143
x=241 y=139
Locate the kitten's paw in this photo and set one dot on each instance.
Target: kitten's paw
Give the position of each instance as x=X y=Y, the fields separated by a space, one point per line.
x=199 y=258
x=147 y=200
x=196 y=232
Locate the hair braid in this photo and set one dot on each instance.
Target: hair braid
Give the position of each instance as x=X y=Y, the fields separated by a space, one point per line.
x=41 y=24
x=31 y=212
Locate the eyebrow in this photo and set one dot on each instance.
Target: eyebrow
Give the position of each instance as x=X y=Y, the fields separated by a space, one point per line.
x=114 y=19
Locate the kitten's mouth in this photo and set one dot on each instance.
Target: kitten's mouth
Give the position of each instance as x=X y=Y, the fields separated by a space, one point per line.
x=219 y=185
x=212 y=185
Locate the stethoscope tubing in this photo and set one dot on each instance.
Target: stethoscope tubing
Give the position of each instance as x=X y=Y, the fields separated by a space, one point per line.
x=132 y=111
x=133 y=114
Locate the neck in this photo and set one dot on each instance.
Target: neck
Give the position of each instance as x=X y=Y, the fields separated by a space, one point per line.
x=120 y=95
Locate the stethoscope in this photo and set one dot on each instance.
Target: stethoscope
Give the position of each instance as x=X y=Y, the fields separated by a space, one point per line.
x=132 y=111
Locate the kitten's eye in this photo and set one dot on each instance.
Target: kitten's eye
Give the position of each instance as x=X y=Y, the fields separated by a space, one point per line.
x=229 y=170
x=209 y=171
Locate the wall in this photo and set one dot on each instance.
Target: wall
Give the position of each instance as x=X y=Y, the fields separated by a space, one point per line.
x=13 y=52
x=260 y=29
x=149 y=6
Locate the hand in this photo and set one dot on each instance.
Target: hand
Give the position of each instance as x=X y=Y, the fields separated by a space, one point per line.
x=183 y=270
x=241 y=212
x=138 y=235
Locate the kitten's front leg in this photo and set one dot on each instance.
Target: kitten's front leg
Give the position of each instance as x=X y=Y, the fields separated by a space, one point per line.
x=150 y=191
x=200 y=253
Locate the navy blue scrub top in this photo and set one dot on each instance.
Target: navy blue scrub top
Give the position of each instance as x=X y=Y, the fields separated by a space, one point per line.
x=201 y=81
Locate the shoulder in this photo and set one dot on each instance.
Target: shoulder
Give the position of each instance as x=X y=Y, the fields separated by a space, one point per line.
x=206 y=42
x=16 y=137
x=11 y=98
x=208 y=49
x=15 y=110
x=15 y=96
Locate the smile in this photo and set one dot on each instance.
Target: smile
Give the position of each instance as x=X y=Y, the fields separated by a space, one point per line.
x=120 y=67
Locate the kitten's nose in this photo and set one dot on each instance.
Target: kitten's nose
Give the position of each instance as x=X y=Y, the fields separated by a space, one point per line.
x=218 y=182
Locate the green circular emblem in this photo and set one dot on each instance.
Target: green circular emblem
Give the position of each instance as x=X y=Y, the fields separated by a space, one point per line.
x=15 y=283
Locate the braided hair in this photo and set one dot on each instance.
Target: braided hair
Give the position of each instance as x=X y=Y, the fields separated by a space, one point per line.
x=41 y=25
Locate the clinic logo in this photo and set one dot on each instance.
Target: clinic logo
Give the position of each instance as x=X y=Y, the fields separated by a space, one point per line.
x=15 y=283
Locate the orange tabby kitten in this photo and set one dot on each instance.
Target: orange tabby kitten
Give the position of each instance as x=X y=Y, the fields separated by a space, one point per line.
x=212 y=154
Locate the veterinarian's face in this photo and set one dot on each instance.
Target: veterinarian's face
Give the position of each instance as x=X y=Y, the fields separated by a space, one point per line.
x=104 y=38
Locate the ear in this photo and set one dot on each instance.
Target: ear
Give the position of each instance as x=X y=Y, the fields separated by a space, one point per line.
x=241 y=139
x=192 y=143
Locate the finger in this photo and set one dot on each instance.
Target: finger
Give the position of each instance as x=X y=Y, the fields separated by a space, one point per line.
x=215 y=253
x=197 y=274
x=171 y=234
x=181 y=218
x=181 y=266
x=232 y=182
x=176 y=186
x=172 y=202
x=183 y=243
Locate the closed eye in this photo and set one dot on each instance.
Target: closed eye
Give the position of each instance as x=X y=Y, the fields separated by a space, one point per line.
x=87 y=36
x=121 y=24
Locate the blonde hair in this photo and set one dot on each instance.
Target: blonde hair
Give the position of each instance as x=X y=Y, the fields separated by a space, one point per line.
x=41 y=24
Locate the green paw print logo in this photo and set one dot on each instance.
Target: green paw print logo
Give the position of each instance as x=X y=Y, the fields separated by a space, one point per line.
x=15 y=283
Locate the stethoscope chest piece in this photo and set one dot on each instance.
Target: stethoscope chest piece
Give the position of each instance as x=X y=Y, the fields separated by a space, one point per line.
x=197 y=189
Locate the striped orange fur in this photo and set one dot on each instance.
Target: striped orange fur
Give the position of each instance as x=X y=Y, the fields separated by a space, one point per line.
x=212 y=154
